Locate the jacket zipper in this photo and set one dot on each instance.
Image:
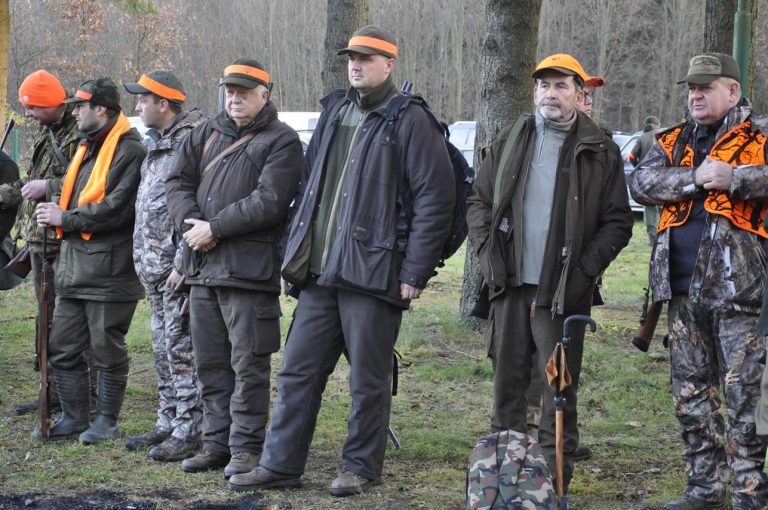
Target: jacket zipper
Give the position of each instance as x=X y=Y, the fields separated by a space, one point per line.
x=334 y=207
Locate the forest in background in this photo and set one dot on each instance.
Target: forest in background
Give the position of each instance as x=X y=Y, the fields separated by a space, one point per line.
x=641 y=47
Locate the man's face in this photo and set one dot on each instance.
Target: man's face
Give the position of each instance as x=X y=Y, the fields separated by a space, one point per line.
x=709 y=102
x=244 y=104
x=584 y=100
x=45 y=116
x=150 y=109
x=555 y=96
x=366 y=72
x=89 y=118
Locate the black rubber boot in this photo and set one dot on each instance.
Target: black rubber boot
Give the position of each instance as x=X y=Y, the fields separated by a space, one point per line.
x=111 y=394
x=73 y=395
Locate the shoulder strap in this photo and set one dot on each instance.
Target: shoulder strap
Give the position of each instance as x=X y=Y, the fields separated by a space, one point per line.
x=214 y=136
x=57 y=150
x=514 y=133
x=229 y=150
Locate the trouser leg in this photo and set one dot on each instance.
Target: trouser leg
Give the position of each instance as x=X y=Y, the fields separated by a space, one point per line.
x=187 y=411
x=313 y=347
x=370 y=327
x=694 y=376
x=166 y=411
x=533 y=396
x=741 y=361
x=510 y=346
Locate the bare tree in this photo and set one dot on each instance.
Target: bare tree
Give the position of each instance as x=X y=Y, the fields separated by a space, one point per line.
x=5 y=32
x=718 y=25
x=506 y=87
x=343 y=17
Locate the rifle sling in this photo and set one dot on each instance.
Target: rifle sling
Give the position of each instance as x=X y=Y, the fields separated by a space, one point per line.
x=57 y=150
x=229 y=150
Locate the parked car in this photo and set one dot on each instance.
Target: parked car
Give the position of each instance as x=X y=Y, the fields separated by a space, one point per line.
x=462 y=135
x=626 y=141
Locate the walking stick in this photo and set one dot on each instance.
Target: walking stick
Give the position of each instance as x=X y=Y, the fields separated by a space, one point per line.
x=43 y=402
x=559 y=378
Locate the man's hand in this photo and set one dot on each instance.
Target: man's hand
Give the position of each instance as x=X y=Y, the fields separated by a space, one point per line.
x=48 y=214
x=284 y=286
x=173 y=279
x=34 y=190
x=713 y=174
x=409 y=291
x=199 y=237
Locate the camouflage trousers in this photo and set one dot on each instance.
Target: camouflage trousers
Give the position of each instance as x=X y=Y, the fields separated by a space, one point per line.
x=710 y=351
x=179 y=407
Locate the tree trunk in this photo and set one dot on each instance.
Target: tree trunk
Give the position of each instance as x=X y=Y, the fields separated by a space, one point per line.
x=718 y=25
x=5 y=31
x=343 y=18
x=506 y=90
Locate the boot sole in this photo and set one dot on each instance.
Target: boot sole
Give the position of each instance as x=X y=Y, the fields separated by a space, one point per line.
x=343 y=492
x=289 y=483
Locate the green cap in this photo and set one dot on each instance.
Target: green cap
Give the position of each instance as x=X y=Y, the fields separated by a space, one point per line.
x=708 y=67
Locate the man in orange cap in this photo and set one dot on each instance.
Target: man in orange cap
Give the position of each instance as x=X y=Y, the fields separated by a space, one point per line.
x=43 y=96
x=548 y=213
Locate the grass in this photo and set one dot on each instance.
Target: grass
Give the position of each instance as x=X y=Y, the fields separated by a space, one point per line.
x=443 y=406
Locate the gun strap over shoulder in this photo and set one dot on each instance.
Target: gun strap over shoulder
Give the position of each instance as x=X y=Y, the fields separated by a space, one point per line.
x=229 y=150
x=512 y=137
x=57 y=150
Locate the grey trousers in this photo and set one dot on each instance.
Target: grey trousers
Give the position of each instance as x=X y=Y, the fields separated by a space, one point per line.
x=234 y=333
x=326 y=322
x=513 y=335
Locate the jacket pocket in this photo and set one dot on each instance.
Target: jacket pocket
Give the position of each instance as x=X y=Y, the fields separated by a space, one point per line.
x=266 y=329
x=91 y=264
x=122 y=259
x=368 y=258
x=579 y=291
x=251 y=259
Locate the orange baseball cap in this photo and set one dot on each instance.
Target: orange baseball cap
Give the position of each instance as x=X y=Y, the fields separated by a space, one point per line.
x=566 y=64
x=41 y=89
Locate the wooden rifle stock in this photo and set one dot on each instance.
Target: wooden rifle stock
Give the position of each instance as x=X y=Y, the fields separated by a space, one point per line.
x=43 y=402
x=644 y=335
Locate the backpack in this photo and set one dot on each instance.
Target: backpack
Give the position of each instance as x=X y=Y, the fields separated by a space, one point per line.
x=507 y=470
x=463 y=174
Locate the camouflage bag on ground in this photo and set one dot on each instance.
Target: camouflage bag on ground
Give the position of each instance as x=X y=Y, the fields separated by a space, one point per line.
x=507 y=470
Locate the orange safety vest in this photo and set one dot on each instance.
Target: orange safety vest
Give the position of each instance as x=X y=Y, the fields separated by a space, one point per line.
x=740 y=146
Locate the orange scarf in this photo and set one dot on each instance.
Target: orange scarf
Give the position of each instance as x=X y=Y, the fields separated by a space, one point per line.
x=97 y=182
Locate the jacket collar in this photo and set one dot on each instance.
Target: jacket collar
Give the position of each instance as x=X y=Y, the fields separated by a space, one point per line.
x=375 y=98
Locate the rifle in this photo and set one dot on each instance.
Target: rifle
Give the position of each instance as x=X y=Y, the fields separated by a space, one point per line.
x=648 y=322
x=41 y=356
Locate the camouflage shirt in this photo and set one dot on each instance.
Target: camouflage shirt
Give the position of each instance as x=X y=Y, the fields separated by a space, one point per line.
x=44 y=165
x=730 y=265
x=155 y=241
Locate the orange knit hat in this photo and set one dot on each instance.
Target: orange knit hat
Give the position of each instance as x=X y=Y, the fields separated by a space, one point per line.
x=41 y=89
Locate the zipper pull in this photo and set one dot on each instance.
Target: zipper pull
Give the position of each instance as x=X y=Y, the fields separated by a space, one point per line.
x=533 y=309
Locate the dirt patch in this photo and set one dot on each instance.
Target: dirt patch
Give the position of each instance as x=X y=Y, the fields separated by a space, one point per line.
x=106 y=500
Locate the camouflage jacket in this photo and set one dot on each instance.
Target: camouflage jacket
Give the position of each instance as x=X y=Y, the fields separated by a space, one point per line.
x=44 y=165
x=155 y=240
x=730 y=267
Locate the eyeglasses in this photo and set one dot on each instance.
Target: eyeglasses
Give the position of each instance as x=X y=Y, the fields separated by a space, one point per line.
x=588 y=96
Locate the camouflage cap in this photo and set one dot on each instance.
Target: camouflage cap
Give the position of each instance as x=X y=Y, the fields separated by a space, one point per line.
x=98 y=92
x=708 y=67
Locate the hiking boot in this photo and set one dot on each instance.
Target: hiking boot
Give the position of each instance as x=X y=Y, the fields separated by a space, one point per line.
x=349 y=484
x=204 y=461
x=581 y=453
x=690 y=503
x=241 y=462
x=262 y=478
x=175 y=449
x=31 y=407
x=155 y=436
x=111 y=393
x=73 y=394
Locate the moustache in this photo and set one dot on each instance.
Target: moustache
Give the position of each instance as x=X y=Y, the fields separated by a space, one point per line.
x=551 y=103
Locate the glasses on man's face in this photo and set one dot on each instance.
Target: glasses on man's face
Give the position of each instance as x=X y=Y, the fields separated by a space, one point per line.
x=588 y=96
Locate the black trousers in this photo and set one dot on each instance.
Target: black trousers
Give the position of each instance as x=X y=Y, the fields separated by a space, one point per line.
x=327 y=321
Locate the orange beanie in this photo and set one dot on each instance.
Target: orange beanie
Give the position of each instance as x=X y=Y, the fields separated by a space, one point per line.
x=41 y=89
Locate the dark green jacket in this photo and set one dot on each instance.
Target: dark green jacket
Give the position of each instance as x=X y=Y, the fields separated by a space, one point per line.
x=101 y=268
x=591 y=219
